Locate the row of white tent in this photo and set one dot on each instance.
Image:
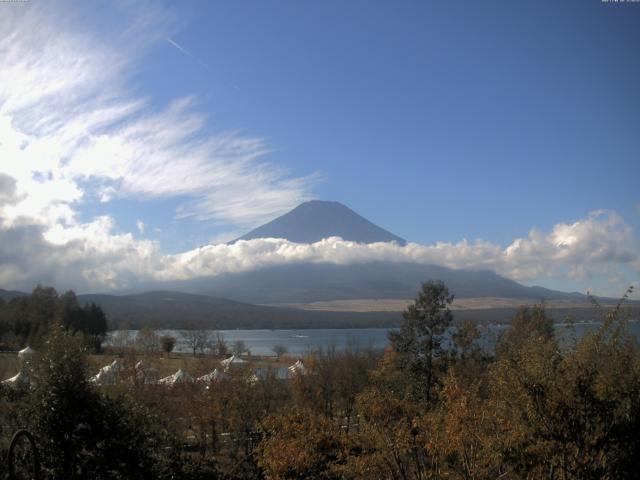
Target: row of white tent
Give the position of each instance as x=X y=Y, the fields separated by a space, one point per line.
x=147 y=374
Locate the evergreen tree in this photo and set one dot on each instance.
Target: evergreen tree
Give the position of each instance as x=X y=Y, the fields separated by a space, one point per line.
x=419 y=340
x=81 y=433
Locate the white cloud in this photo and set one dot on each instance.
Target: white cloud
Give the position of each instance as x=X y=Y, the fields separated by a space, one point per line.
x=70 y=127
x=569 y=250
x=140 y=226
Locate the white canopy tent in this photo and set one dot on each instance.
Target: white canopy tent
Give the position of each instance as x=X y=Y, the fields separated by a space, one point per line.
x=211 y=377
x=145 y=373
x=19 y=380
x=108 y=375
x=26 y=354
x=181 y=376
x=231 y=362
x=297 y=368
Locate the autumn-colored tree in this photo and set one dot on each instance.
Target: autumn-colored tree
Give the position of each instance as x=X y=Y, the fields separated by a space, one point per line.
x=466 y=436
x=300 y=444
x=570 y=413
x=390 y=439
x=469 y=358
x=530 y=324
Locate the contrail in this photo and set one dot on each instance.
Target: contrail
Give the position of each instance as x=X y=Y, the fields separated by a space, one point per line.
x=188 y=53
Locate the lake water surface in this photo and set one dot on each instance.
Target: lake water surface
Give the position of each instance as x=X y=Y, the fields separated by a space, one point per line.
x=301 y=342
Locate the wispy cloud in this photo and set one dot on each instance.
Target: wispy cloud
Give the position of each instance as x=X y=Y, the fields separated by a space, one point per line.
x=72 y=127
x=187 y=53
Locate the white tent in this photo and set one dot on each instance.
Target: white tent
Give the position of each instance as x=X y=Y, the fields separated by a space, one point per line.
x=26 y=354
x=21 y=379
x=297 y=368
x=181 y=376
x=232 y=361
x=108 y=375
x=141 y=365
x=145 y=373
x=211 y=377
x=104 y=377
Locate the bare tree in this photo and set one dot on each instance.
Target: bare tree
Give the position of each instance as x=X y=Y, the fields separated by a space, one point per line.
x=279 y=350
x=199 y=340
x=147 y=341
x=121 y=340
x=239 y=347
x=219 y=347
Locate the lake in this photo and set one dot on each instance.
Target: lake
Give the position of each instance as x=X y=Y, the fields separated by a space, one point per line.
x=301 y=342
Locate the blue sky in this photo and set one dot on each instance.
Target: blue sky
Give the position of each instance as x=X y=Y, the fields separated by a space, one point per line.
x=440 y=121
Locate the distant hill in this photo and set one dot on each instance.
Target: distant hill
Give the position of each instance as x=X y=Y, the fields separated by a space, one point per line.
x=9 y=294
x=312 y=221
x=175 y=310
x=326 y=281
x=167 y=309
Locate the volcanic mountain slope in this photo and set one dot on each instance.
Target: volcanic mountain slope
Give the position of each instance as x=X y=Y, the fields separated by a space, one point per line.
x=312 y=221
x=391 y=280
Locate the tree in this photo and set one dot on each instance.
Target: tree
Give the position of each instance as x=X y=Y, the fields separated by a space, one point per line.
x=198 y=340
x=570 y=411
x=29 y=318
x=219 y=346
x=167 y=343
x=122 y=340
x=300 y=444
x=82 y=434
x=528 y=324
x=147 y=341
x=279 y=350
x=419 y=339
x=96 y=327
x=239 y=347
x=389 y=441
x=470 y=359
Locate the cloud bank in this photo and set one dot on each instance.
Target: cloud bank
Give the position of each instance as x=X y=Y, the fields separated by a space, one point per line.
x=90 y=257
